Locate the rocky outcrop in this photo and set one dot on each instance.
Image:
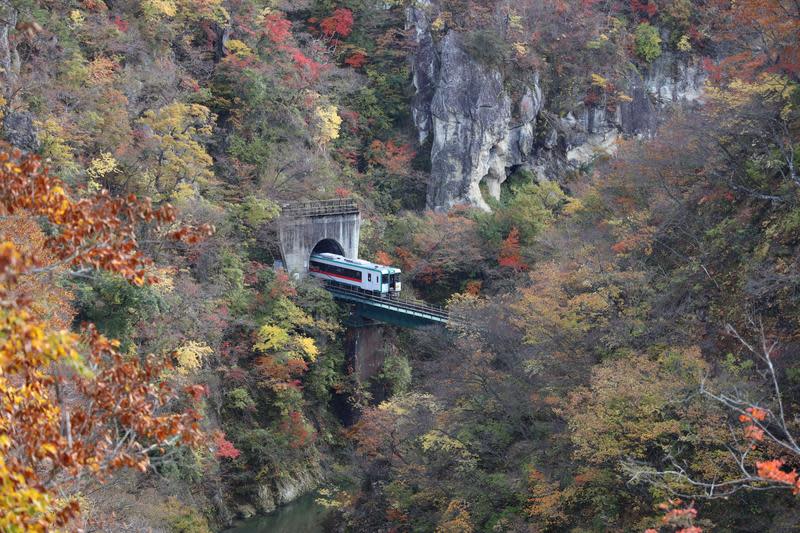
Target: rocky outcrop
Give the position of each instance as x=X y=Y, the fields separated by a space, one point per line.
x=470 y=113
x=286 y=488
x=425 y=70
x=19 y=130
x=477 y=131
x=479 y=134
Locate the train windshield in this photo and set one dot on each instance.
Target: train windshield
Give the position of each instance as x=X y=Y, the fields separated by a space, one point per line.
x=384 y=279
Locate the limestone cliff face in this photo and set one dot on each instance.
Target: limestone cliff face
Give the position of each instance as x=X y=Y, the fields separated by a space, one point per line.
x=478 y=133
x=476 y=130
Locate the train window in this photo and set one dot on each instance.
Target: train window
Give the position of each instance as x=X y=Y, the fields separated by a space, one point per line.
x=337 y=271
x=369 y=277
x=385 y=279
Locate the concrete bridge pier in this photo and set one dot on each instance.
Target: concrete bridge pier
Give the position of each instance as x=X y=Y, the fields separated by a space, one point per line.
x=364 y=348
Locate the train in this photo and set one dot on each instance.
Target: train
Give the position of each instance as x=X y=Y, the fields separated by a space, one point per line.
x=357 y=273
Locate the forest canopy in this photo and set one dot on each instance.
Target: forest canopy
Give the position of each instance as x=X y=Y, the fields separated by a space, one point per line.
x=620 y=251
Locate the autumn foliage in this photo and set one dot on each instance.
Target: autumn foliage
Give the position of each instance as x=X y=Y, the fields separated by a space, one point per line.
x=339 y=24
x=510 y=252
x=74 y=408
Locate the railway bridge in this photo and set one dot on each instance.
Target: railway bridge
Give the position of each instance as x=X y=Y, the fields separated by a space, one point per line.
x=334 y=226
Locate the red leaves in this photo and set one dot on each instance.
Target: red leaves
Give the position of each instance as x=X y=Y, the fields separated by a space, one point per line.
x=225 y=448
x=295 y=427
x=777 y=23
x=339 y=24
x=277 y=29
x=510 y=252
x=647 y=8
x=755 y=413
x=197 y=392
x=281 y=285
x=383 y=258
x=752 y=431
x=122 y=25
x=356 y=60
x=306 y=67
x=394 y=157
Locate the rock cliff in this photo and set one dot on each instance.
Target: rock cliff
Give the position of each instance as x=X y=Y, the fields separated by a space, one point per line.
x=479 y=133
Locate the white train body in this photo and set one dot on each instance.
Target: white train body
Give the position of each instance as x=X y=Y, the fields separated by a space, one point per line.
x=356 y=273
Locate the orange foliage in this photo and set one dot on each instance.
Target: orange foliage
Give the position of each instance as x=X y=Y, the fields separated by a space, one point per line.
x=49 y=301
x=97 y=232
x=510 y=252
x=383 y=258
x=73 y=405
x=677 y=517
x=774 y=23
x=395 y=158
x=473 y=287
x=356 y=60
x=772 y=470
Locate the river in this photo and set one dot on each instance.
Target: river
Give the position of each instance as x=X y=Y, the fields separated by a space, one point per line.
x=304 y=515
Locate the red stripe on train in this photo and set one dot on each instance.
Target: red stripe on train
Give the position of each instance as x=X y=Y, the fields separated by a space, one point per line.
x=316 y=270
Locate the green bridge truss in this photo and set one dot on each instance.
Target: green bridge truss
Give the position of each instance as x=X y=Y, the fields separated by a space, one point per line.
x=397 y=312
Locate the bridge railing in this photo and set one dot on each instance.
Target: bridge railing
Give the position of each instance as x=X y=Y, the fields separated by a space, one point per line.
x=320 y=208
x=410 y=305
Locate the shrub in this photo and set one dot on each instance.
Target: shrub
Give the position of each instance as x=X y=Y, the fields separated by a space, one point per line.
x=396 y=373
x=647 y=42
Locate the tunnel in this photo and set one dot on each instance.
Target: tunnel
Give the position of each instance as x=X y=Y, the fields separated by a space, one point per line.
x=328 y=246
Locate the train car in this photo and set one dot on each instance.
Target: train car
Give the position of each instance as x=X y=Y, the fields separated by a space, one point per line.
x=377 y=279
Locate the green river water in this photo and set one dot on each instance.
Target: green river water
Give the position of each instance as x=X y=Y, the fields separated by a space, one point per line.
x=304 y=515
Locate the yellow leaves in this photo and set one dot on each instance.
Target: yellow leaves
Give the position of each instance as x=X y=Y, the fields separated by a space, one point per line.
x=107 y=391
x=573 y=206
x=595 y=44
x=102 y=166
x=307 y=347
x=195 y=10
x=768 y=87
x=456 y=519
x=47 y=449
x=520 y=49
x=190 y=356
x=684 y=44
x=155 y=9
x=238 y=48
x=21 y=504
x=55 y=147
x=328 y=123
x=438 y=24
x=436 y=440
x=598 y=80
x=630 y=408
x=176 y=155
x=77 y=18
x=271 y=338
x=166 y=281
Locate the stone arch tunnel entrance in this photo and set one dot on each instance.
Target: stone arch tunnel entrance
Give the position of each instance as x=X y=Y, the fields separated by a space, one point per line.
x=331 y=226
x=328 y=246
